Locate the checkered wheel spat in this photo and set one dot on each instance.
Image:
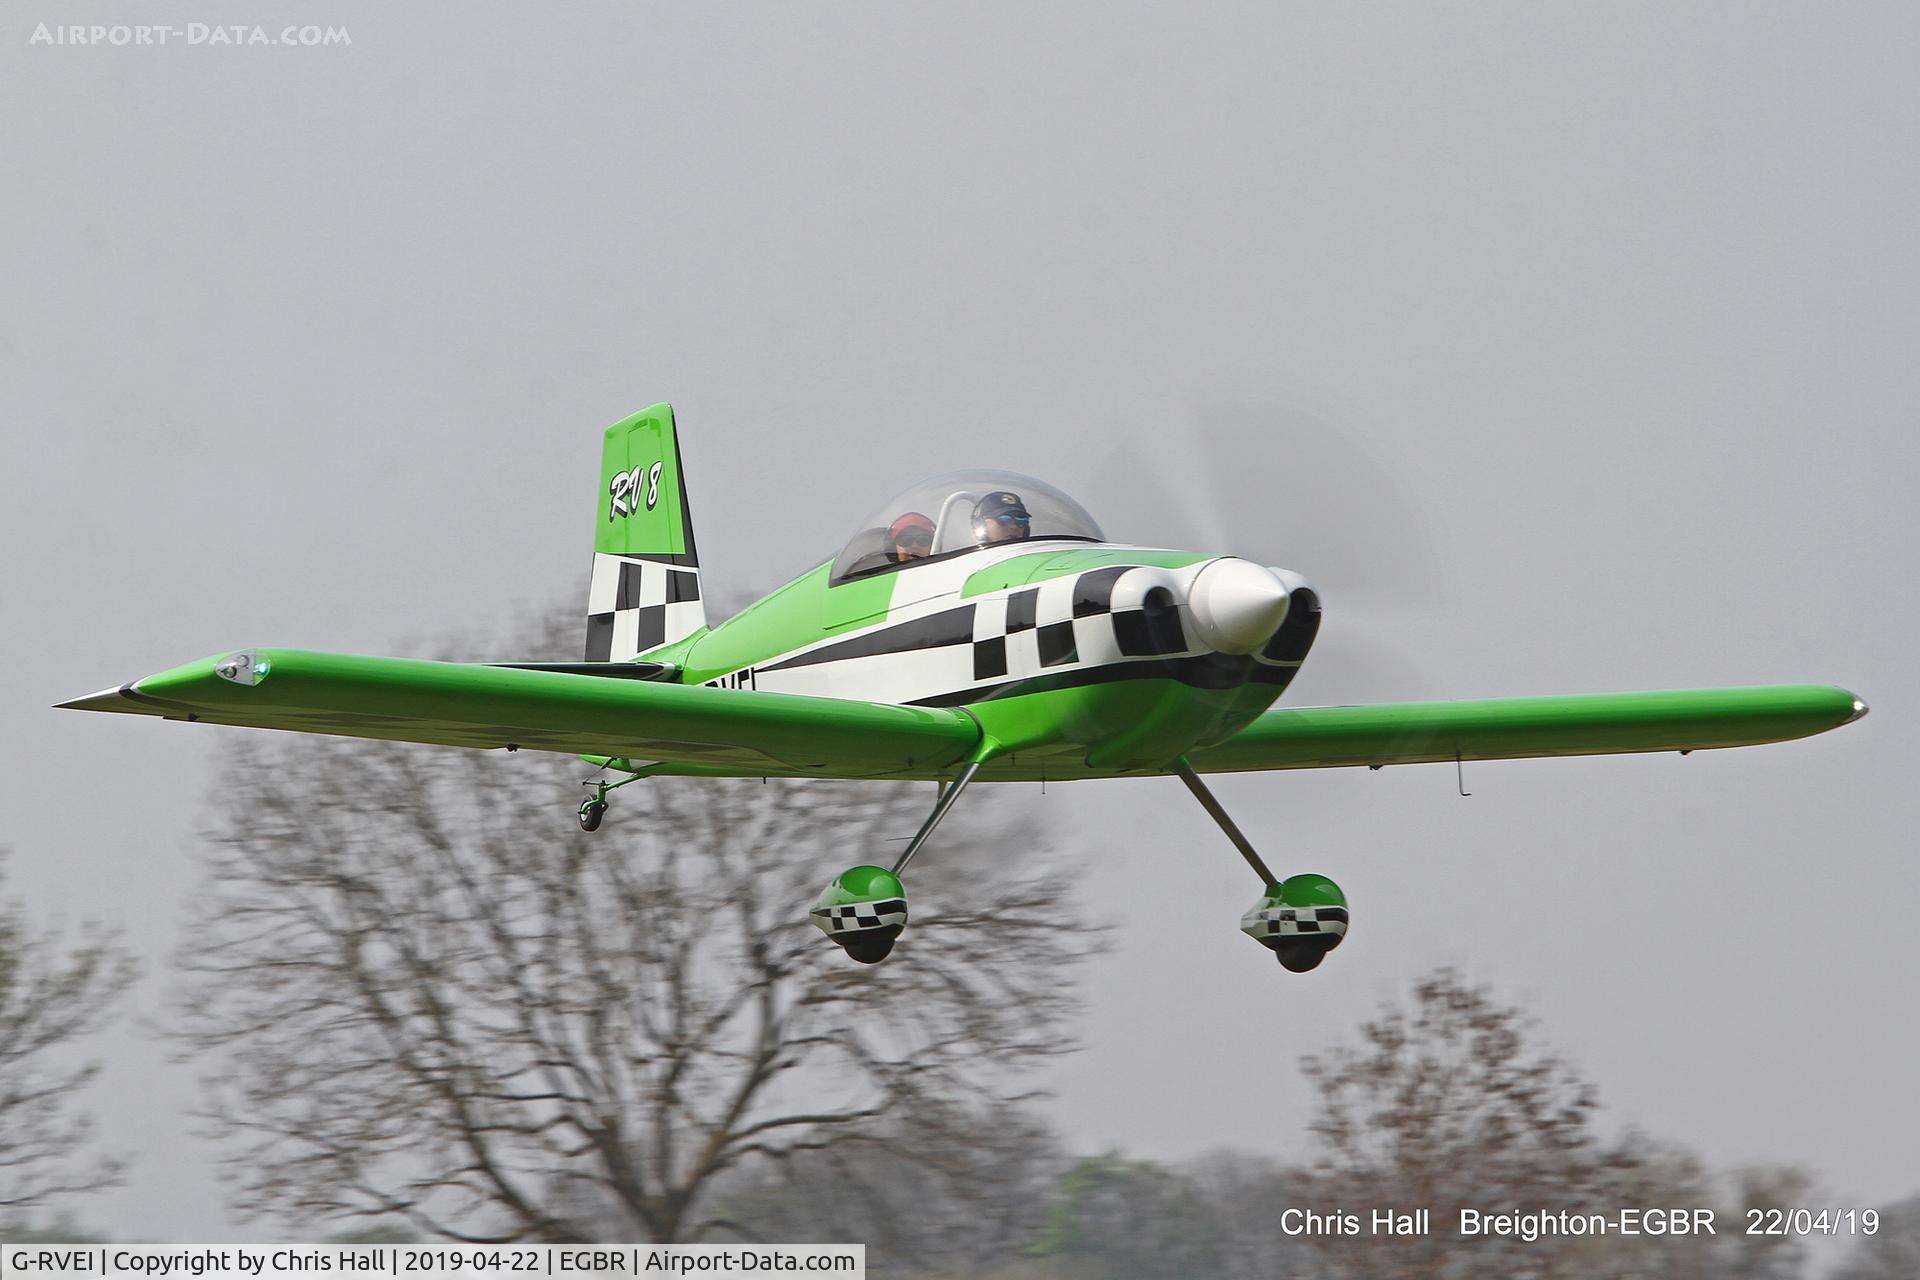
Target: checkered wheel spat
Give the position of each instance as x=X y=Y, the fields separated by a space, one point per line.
x=856 y=917
x=1288 y=922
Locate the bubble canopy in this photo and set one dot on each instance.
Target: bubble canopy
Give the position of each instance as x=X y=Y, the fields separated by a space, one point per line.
x=946 y=508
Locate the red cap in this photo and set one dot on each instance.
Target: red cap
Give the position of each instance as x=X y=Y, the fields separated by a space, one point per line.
x=911 y=520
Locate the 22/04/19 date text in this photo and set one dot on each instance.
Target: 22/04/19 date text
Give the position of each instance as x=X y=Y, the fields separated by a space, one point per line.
x=1813 y=1222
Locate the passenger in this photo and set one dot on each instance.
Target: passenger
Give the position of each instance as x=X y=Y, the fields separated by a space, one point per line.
x=1001 y=517
x=911 y=537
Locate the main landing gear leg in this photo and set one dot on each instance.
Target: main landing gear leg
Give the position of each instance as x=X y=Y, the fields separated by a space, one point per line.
x=865 y=908
x=1300 y=918
x=948 y=794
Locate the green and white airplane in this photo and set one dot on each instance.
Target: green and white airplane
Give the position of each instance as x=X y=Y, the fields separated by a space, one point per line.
x=979 y=627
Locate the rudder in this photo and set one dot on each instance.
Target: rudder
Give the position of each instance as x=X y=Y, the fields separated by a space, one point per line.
x=645 y=590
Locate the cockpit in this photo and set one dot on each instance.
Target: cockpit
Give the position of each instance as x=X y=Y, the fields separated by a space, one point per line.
x=962 y=511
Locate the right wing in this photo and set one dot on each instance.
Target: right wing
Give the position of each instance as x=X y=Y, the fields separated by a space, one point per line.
x=460 y=704
x=1584 y=724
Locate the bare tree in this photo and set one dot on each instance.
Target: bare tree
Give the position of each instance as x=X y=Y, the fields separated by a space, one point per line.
x=423 y=993
x=1662 y=1175
x=1451 y=1104
x=1448 y=1105
x=48 y=1000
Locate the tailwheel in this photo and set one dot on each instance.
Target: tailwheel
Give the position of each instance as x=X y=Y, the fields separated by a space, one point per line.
x=863 y=910
x=1300 y=920
x=593 y=810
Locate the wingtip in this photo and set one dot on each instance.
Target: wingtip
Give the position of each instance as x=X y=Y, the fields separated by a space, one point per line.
x=104 y=700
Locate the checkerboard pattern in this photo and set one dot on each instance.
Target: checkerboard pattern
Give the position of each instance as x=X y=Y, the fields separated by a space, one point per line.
x=856 y=917
x=1287 y=922
x=1057 y=622
x=636 y=604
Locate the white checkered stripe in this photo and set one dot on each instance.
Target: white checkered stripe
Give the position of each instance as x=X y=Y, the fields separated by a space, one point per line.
x=636 y=604
x=1063 y=622
x=1289 y=922
x=938 y=652
x=855 y=917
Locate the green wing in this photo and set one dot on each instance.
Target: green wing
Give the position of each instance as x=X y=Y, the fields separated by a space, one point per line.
x=1511 y=728
x=469 y=705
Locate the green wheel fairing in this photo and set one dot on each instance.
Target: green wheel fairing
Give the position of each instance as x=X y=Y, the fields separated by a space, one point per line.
x=863 y=910
x=1300 y=920
x=1305 y=890
x=861 y=884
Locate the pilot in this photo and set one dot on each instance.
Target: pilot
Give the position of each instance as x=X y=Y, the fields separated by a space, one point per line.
x=910 y=538
x=1001 y=517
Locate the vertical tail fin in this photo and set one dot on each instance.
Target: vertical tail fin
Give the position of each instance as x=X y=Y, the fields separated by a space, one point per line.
x=645 y=590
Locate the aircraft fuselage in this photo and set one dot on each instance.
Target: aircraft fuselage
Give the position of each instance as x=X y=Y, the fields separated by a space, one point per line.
x=1083 y=659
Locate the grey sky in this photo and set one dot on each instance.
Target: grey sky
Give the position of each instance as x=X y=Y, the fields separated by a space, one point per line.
x=1565 y=349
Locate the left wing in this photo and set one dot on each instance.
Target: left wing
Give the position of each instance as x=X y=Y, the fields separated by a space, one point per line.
x=1510 y=728
x=460 y=704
